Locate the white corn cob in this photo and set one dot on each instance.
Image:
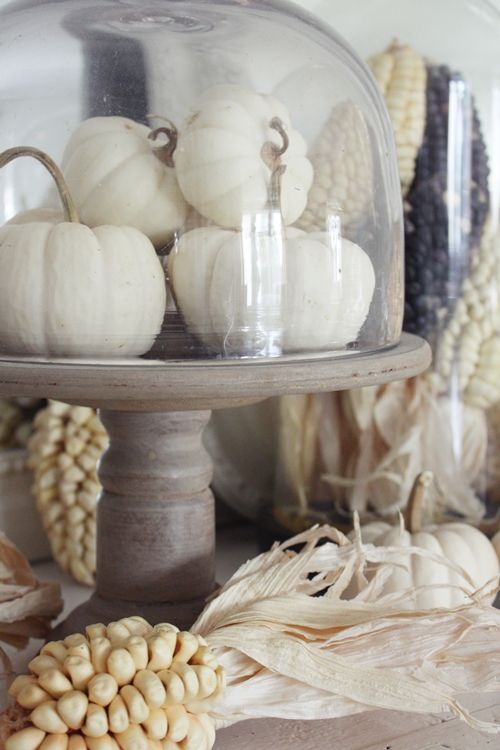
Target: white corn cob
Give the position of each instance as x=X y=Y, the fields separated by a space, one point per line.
x=127 y=685
x=64 y=451
x=470 y=344
x=16 y=421
x=343 y=172
x=401 y=75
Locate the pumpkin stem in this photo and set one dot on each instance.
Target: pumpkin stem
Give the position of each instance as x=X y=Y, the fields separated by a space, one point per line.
x=274 y=196
x=414 y=509
x=271 y=153
x=166 y=153
x=69 y=205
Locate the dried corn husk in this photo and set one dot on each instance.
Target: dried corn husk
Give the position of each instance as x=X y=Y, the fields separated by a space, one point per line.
x=402 y=77
x=371 y=443
x=343 y=173
x=27 y=605
x=286 y=651
x=64 y=451
x=413 y=428
x=493 y=456
x=299 y=446
x=292 y=654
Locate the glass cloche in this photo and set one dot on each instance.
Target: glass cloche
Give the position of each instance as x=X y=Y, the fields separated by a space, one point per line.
x=215 y=179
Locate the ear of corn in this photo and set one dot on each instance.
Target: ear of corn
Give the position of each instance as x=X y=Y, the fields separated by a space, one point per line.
x=127 y=685
x=402 y=77
x=64 y=451
x=343 y=173
x=16 y=421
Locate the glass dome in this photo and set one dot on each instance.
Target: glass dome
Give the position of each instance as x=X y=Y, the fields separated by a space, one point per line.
x=220 y=182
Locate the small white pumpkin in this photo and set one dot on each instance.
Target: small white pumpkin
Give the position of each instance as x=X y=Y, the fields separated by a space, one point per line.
x=70 y=291
x=237 y=291
x=117 y=176
x=463 y=545
x=228 y=150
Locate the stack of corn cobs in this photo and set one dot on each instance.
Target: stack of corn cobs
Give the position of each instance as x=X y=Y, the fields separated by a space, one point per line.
x=451 y=264
x=447 y=420
x=446 y=231
x=450 y=254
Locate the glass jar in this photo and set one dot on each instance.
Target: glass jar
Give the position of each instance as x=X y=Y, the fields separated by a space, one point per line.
x=220 y=182
x=437 y=62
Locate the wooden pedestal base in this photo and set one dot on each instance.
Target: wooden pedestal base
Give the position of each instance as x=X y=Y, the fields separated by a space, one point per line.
x=155 y=521
x=97 y=609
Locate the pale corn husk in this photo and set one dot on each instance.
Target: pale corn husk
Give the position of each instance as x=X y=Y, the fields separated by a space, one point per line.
x=64 y=452
x=402 y=77
x=413 y=429
x=27 y=605
x=289 y=653
x=493 y=460
x=299 y=446
x=343 y=173
x=364 y=451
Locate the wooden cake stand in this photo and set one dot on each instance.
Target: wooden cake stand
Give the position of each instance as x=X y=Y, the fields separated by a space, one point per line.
x=155 y=520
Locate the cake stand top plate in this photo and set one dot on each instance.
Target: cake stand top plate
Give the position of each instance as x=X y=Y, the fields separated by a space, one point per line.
x=191 y=385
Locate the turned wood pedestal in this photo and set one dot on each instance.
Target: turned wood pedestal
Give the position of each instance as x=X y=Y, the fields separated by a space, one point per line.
x=155 y=539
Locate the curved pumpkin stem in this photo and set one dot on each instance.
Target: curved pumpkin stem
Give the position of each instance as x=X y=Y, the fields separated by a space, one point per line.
x=165 y=153
x=414 y=509
x=68 y=204
x=271 y=155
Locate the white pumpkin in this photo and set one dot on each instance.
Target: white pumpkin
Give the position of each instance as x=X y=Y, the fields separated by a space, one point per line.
x=116 y=175
x=70 y=291
x=463 y=545
x=224 y=160
x=236 y=292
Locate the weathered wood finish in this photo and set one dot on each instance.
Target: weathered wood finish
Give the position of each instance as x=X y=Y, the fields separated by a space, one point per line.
x=145 y=385
x=155 y=521
x=374 y=730
x=155 y=518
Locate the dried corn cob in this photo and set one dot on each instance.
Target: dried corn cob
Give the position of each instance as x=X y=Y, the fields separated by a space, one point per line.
x=470 y=345
x=401 y=75
x=64 y=451
x=16 y=421
x=433 y=277
x=343 y=172
x=127 y=685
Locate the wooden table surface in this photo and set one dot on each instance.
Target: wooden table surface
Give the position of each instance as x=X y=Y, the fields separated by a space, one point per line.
x=375 y=730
